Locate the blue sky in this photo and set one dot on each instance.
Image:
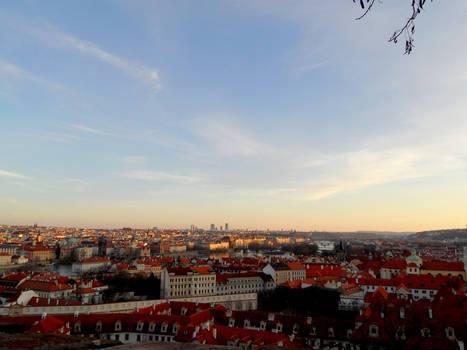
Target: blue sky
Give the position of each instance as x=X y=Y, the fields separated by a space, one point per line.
x=261 y=114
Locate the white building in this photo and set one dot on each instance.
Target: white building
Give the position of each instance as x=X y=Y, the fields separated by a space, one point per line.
x=90 y=265
x=180 y=282
x=249 y=282
x=325 y=246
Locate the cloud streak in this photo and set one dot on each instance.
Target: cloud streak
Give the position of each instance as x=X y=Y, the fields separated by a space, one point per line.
x=228 y=138
x=89 y=130
x=13 y=175
x=11 y=70
x=53 y=36
x=8 y=200
x=147 y=175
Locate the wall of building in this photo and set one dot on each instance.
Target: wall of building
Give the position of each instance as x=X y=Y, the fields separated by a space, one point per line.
x=246 y=301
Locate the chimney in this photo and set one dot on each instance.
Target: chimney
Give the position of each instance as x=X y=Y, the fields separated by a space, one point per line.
x=214 y=333
x=430 y=313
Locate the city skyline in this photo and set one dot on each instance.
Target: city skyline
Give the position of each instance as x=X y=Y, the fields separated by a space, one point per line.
x=174 y=114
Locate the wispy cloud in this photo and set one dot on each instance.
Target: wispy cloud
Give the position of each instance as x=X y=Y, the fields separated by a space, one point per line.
x=89 y=130
x=76 y=185
x=312 y=66
x=133 y=160
x=12 y=70
x=147 y=175
x=30 y=187
x=57 y=137
x=13 y=175
x=54 y=36
x=8 y=200
x=228 y=138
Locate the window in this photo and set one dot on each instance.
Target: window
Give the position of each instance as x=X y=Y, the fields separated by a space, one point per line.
x=138 y=337
x=127 y=336
x=425 y=332
x=118 y=325
x=373 y=330
x=450 y=332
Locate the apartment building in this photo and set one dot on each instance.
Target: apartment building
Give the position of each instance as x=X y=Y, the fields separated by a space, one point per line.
x=238 y=283
x=283 y=272
x=180 y=282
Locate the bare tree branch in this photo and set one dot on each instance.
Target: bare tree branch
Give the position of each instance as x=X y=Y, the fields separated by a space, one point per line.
x=409 y=27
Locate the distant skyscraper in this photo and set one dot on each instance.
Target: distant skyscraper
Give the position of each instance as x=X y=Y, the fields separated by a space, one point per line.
x=213 y=227
x=226 y=226
x=220 y=227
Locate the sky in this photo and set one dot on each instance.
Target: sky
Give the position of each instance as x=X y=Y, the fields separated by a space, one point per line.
x=258 y=113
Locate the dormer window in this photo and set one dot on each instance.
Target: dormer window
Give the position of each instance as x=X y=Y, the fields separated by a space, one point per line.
x=183 y=311
x=373 y=330
x=279 y=327
x=331 y=332
x=313 y=331
x=77 y=327
x=425 y=332
x=175 y=328
x=450 y=333
x=139 y=326
x=349 y=333
x=118 y=326
x=164 y=327
x=246 y=323
x=99 y=326
x=295 y=328
x=231 y=322
x=262 y=325
x=152 y=326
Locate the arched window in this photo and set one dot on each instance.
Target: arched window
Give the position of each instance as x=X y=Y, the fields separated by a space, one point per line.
x=118 y=326
x=450 y=334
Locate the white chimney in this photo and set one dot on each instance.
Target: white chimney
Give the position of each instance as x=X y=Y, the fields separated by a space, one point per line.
x=430 y=313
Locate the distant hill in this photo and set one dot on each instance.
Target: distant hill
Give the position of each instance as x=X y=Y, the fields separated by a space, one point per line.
x=441 y=235
x=359 y=235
